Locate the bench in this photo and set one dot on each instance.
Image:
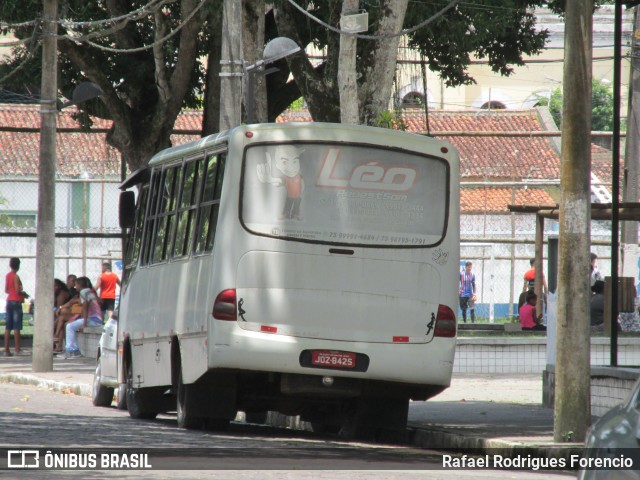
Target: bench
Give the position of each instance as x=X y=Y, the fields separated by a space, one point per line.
x=89 y=340
x=498 y=329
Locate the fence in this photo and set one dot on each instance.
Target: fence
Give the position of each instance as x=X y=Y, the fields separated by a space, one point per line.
x=86 y=226
x=498 y=243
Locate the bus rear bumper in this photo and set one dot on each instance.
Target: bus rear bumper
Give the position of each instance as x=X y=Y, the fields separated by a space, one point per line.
x=418 y=364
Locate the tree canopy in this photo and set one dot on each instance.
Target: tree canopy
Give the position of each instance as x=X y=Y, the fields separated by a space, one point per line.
x=149 y=70
x=601 y=104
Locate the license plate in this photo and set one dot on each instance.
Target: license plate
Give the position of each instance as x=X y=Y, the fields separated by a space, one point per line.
x=332 y=359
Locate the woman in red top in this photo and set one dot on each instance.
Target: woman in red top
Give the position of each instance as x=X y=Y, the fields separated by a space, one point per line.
x=15 y=298
x=529 y=320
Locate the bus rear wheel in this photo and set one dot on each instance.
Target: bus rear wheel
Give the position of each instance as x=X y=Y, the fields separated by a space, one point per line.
x=184 y=413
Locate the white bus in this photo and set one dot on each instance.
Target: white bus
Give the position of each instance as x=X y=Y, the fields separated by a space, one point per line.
x=309 y=269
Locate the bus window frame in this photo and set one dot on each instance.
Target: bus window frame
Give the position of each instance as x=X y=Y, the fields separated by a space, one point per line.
x=188 y=245
x=162 y=216
x=214 y=203
x=447 y=203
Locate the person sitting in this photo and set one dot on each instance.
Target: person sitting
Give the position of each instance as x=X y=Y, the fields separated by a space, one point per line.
x=529 y=319
x=60 y=297
x=66 y=314
x=523 y=298
x=91 y=316
x=596 y=307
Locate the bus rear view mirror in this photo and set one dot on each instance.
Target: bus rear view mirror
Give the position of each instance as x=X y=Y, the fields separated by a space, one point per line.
x=127 y=209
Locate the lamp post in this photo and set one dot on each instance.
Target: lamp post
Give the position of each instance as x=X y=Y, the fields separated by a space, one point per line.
x=276 y=49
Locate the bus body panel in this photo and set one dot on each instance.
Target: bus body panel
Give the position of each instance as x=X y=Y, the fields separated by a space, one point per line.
x=337 y=297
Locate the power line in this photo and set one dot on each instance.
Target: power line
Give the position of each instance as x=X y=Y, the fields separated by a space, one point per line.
x=374 y=37
x=146 y=47
x=133 y=15
x=11 y=26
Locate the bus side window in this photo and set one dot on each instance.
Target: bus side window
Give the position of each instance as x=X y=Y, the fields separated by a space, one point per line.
x=166 y=214
x=150 y=217
x=187 y=207
x=208 y=209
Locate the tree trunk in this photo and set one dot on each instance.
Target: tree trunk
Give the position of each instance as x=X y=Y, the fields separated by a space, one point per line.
x=379 y=69
x=253 y=46
x=211 y=114
x=144 y=118
x=231 y=58
x=347 y=84
x=572 y=390
x=318 y=86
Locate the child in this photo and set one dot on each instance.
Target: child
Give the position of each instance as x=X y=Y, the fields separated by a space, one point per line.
x=529 y=320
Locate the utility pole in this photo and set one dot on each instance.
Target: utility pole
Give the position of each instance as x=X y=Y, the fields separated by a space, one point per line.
x=45 y=251
x=347 y=84
x=231 y=65
x=632 y=146
x=572 y=376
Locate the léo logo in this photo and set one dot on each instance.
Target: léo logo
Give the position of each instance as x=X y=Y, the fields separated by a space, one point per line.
x=367 y=176
x=23 y=459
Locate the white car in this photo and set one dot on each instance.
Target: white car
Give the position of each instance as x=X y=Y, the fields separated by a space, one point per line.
x=105 y=378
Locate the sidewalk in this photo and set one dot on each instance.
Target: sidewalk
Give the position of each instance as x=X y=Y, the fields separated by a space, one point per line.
x=498 y=412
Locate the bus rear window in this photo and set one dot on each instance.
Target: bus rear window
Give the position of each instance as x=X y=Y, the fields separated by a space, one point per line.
x=344 y=194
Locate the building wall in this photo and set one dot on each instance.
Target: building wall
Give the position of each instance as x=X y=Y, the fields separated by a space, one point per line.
x=527 y=354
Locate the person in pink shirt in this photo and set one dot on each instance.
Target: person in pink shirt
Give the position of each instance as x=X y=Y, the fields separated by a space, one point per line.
x=91 y=316
x=529 y=319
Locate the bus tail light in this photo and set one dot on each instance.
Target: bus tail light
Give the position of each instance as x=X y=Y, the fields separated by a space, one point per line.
x=225 y=306
x=445 y=322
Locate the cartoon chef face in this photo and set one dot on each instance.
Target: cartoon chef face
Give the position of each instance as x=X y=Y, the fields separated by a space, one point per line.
x=288 y=161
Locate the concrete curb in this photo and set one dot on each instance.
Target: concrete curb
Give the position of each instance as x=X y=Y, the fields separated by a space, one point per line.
x=436 y=438
x=81 y=389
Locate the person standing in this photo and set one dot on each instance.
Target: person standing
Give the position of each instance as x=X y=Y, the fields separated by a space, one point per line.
x=15 y=299
x=106 y=285
x=596 y=276
x=596 y=307
x=530 y=279
x=467 y=292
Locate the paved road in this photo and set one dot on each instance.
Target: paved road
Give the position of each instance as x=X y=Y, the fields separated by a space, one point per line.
x=30 y=416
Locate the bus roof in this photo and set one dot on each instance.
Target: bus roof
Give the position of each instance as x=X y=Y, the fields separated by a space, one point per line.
x=344 y=130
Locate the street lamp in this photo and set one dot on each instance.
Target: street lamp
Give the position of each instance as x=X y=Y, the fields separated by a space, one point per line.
x=276 y=49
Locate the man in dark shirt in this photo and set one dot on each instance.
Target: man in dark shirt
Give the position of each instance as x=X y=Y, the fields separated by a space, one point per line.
x=597 y=307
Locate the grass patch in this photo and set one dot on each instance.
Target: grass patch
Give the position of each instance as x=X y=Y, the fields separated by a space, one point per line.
x=27 y=324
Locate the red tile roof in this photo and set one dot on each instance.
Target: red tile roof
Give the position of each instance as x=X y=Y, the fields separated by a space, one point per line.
x=488 y=158
x=76 y=152
x=485 y=157
x=495 y=199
